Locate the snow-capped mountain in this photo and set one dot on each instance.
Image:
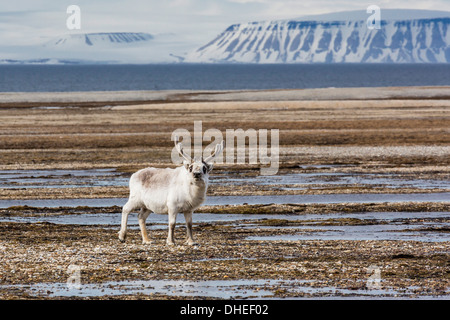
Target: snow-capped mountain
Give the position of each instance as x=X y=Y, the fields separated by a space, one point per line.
x=418 y=39
x=113 y=47
x=95 y=39
x=404 y=36
x=105 y=47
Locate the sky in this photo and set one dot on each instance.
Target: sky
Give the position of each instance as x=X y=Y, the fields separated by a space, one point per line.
x=25 y=22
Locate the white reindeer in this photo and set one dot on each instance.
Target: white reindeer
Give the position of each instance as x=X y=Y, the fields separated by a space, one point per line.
x=169 y=191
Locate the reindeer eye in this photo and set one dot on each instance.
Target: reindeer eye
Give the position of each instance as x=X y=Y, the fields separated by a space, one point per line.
x=204 y=169
x=190 y=168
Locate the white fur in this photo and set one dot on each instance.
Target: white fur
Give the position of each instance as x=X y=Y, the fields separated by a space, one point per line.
x=168 y=191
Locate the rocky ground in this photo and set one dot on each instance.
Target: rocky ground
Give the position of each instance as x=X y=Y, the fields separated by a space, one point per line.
x=407 y=136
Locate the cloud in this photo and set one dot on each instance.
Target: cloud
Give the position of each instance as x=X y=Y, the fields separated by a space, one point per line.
x=248 y=1
x=30 y=21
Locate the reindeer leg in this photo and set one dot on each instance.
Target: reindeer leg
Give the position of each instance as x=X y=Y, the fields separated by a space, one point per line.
x=127 y=208
x=189 y=239
x=172 y=221
x=141 y=218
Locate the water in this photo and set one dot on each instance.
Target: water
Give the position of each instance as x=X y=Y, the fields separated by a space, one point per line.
x=239 y=200
x=336 y=179
x=382 y=226
x=330 y=198
x=41 y=78
x=393 y=232
x=61 y=178
x=159 y=219
x=224 y=289
x=110 y=177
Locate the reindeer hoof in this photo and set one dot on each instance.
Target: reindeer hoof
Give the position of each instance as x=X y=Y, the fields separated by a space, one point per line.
x=122 y=237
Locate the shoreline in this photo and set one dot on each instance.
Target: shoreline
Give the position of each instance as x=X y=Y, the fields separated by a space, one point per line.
x=94 y=98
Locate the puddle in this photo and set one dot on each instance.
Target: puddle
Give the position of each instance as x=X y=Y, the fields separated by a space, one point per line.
x=154 y=221
x=337 y=179
x=54 y=203
x=224 y=289
x=383 y=225
x=115 y=218
x=110 y=177
x=366 y=232
x=239 y=200
x=329 y=198
x=61 y=178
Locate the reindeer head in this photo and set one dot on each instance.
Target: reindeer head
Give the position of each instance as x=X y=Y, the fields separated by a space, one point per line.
x=199 y=168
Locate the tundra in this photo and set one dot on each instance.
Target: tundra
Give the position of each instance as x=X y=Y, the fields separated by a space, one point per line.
x=169 y=191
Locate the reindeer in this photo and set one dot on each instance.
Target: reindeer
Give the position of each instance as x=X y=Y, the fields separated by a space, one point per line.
x=169 y=191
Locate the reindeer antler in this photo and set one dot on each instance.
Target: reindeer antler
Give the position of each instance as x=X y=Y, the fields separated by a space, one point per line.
x=219 y=148
x=181 y=151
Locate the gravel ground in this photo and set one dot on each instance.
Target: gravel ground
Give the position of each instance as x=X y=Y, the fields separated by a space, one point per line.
x=401 y=131
x=43 y=253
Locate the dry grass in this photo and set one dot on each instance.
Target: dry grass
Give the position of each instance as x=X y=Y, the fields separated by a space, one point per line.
x=94 y=135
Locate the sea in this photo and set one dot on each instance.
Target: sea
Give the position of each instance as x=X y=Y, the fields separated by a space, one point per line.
x=66 y=78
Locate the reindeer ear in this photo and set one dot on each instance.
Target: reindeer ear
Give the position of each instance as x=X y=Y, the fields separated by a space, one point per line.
x=186 y=164
x=209 y=166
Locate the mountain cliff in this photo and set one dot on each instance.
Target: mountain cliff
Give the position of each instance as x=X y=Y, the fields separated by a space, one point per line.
x=111 y=47
x=304 y=41
x=96 y=39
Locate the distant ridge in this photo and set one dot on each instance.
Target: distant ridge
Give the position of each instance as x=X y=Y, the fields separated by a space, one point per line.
x=328 y=40
x=102 y=38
